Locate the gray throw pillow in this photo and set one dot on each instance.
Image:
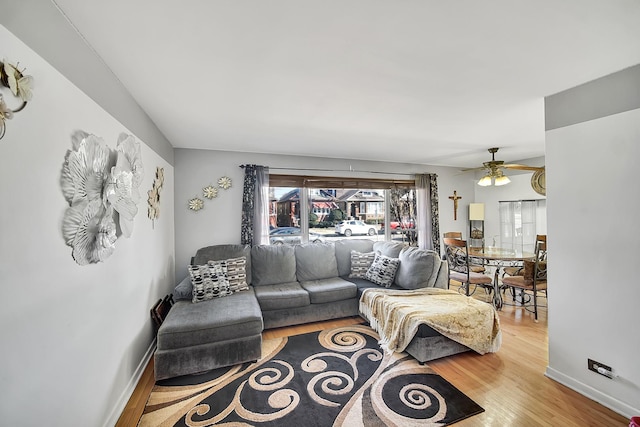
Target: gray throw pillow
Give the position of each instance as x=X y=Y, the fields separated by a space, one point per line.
x=360 y=263
x=343 y=252
x=382 y=270
x=208 y=282
x=390 y=249
x=417 y=268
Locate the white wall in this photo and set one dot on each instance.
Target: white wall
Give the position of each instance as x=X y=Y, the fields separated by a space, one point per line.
x=74 y=338
x=219 y=221
x=518 y=189
x=593 y=203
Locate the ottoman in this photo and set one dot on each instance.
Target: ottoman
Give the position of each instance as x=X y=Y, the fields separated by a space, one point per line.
x=197 y=337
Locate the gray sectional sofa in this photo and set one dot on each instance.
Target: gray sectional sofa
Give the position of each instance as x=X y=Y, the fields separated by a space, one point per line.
x=289 y=285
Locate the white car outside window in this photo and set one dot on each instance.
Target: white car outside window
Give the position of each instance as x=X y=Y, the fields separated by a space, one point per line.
x=355 y=227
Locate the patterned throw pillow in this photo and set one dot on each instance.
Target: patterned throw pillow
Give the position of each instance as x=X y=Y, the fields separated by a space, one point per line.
x=360 y=263
x=208 y=282
x=236 y=272
x=382 y=270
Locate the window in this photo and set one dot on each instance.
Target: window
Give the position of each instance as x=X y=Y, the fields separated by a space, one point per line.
x=336 y=209
x=518 y=225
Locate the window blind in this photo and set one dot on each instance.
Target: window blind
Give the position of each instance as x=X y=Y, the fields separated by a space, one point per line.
x=299 y=181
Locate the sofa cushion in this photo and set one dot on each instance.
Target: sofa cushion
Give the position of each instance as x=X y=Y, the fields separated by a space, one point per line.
x=282 y=295
x=315 y=261
x=360 y=264
x=343 y=252
x=363 y=284
x=273 y=264
x=219 y=252
x=329 y=290
x=417 y=269
x=390 y=249
x=383 y=270
x=218 y=319
x=208 y=281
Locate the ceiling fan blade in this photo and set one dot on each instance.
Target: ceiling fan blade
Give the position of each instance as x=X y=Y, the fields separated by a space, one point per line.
x=523 y=167
x=473 y=169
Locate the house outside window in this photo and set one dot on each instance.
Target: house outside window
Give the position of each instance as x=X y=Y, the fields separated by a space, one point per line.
x=342 y=213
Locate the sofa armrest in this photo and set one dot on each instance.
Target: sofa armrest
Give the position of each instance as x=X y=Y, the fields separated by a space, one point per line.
x=183 y=290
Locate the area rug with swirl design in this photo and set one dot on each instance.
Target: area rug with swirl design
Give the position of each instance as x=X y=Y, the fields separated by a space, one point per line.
x=336 y=377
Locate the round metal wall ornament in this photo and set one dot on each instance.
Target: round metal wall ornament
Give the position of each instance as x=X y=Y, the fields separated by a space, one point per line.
x=539 y=183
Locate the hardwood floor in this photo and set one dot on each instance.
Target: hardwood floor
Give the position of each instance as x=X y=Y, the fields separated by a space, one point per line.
x=510 y=385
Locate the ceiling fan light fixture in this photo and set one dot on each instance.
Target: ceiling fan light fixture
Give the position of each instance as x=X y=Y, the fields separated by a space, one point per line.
x=485 y=181
x=502 y=180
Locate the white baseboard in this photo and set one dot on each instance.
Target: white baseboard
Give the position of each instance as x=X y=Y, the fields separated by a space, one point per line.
x=128 y=391
x=593 y=394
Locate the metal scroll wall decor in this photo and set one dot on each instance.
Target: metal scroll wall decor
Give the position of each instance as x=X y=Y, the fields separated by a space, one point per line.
x=101 y=187
x=154 y=196
x=19 y=86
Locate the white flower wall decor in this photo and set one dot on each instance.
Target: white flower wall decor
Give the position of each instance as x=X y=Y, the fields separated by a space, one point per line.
x=196 y=204
x=121 y=189
x=225 y=182
x=209 y=192
x=101 y=187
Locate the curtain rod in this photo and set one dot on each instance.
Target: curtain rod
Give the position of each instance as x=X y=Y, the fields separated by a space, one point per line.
x=340 y=170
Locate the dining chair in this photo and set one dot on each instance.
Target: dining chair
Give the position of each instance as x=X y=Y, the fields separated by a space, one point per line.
x=533 y=279
x=519 y=271
x=456 y=251
x=452 y=235
x=476 y=268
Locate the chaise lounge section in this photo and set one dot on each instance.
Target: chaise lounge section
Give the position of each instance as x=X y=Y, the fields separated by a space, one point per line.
x=289 y=285
x=196 y=337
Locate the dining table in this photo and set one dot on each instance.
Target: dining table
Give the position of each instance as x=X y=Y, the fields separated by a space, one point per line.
x=499 y=258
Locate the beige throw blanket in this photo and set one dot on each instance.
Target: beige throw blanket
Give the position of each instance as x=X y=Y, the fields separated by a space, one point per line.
x=397 y=314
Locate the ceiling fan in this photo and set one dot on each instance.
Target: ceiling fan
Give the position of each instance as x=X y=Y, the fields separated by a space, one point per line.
x=497 y=177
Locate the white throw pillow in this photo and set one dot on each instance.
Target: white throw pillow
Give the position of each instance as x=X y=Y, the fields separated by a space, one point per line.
x=382 y=270
x=208 y=282
x=235 y=272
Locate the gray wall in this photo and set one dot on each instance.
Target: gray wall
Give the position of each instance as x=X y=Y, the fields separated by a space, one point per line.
x=75 y=339
x=612 y=94
x=40 y=25
x=219 y=221
x=593 y=199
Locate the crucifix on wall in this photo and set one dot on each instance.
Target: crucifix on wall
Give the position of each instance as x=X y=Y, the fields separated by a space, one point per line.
x=455 y=199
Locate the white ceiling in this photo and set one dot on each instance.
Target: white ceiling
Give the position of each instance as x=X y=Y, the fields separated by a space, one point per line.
x=425 y=81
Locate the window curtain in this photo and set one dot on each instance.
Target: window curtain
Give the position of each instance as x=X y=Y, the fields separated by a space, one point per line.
x=428 y=211
x=255 y=206
x=261 y=207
